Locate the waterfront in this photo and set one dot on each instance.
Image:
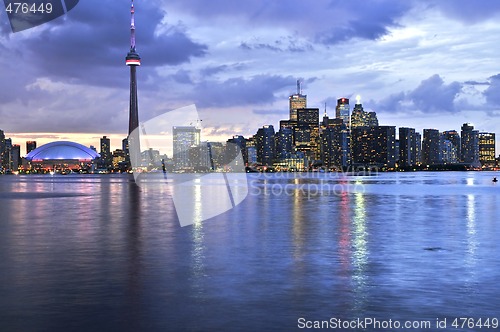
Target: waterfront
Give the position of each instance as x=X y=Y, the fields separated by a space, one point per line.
x=95 y=252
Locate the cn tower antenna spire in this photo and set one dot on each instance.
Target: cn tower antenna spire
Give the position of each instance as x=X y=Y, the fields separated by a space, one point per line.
x=132 y=27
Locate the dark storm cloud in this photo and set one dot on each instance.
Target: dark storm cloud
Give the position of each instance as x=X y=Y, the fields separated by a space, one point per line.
x=392 y=103
x=325 y=21
x=172 y=49
x=91 y=42
x=259 y=89
x=431 y=96
x=365 y=19
x=492 y=93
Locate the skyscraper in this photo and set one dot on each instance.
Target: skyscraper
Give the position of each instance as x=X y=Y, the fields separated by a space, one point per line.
x=307 y=132
x=2 y=149
x=396 y=150
x=342 y=111
x=185 y=138
x=360 y=118
x=235 y=145
x=16 y=157
x=30 y=146
x=334 y=144
x=106 y=158
x=251 y=150
x=118 y=158
x=431 y=147
x=374 y=145
x=326 y=121
x=418 y=140
x=448 y=151
x=487 y=149
x=217 y=155
x=125 y=149
x=205 y=160
x=133 y=60
x=296 y=101
x=265 y=145
x=284 y=143
x=407 y=147
x=7 y=156
x=469 y=145
x=454 y=137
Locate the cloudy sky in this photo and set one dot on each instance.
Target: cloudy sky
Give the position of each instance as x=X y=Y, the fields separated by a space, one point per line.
x=422 y=64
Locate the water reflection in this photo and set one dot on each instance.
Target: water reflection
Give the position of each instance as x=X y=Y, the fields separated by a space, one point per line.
x=119 y=260
x=298 y=225
x=134 y=247
x=471 y=232
x=197 y=207
x=470 y=266
x=470 y=181
x=345 y=235
x=198 y=243
x=360 y=255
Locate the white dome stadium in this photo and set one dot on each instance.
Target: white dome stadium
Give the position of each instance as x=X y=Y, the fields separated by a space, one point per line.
x=63 y=150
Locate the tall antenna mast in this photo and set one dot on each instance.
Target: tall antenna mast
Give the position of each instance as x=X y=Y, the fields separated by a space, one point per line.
x=298 y=87
x=132 y=27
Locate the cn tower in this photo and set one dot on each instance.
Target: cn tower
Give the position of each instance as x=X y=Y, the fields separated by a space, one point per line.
x=133 y=60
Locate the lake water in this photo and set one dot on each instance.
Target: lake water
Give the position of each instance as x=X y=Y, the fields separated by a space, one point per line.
x=98 y=253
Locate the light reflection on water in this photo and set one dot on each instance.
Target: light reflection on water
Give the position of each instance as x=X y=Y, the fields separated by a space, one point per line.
x=471 y=227
x=360 y=249
x=98 y=253
x=198 y=246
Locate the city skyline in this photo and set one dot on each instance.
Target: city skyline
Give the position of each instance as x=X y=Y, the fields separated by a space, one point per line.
x=356 y=111
x=397 y=56
x=303 y=143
